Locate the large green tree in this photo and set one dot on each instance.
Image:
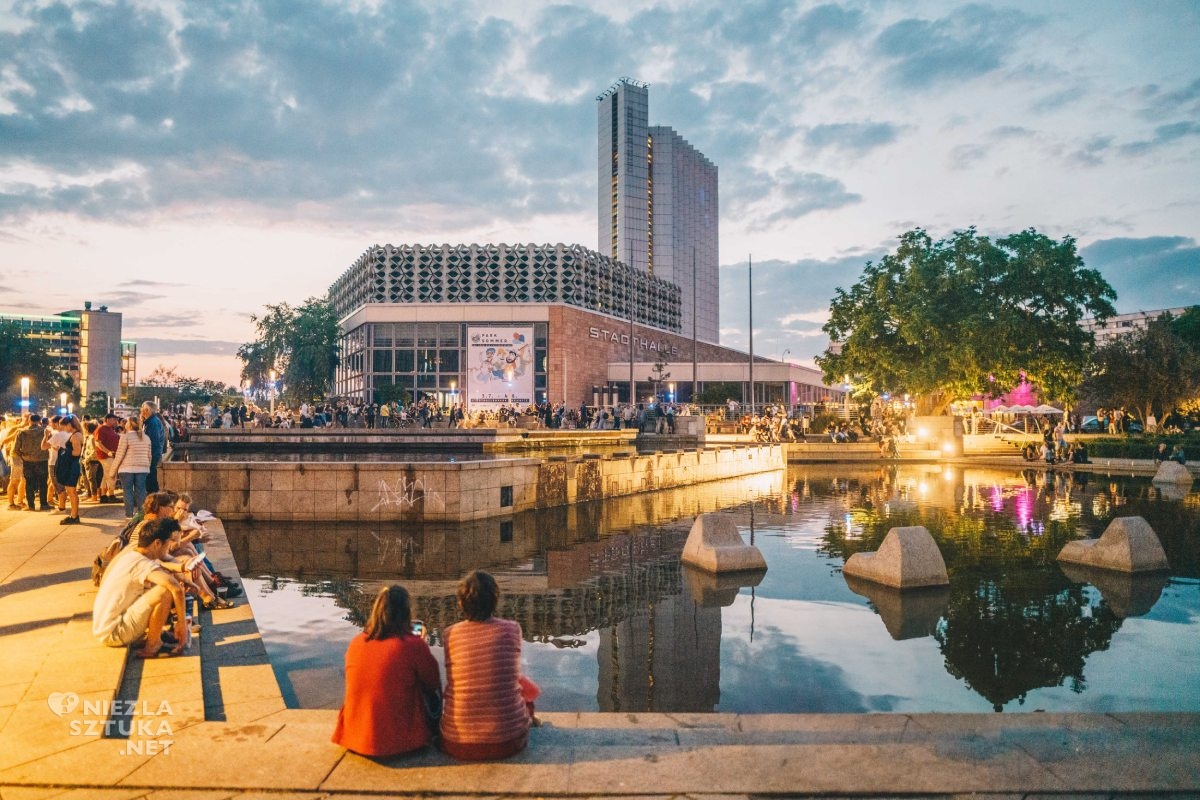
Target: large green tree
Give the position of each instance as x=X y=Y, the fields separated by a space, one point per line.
x=22 y=356
x=300 y=344
x=1152 y=370
x=948 y=319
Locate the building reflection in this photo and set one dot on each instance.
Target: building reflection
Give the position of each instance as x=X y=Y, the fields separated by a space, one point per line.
x=609 y=567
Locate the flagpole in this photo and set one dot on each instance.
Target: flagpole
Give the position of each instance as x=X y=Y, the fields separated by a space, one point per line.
x=750 y=277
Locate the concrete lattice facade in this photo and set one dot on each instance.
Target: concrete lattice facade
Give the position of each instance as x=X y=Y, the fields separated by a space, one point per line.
x=501 y=273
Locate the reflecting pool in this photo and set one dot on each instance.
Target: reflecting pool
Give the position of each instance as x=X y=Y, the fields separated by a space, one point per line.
x=613 y=622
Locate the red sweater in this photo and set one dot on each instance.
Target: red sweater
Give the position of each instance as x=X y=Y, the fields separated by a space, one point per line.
x=483 y=702
x=383 y=713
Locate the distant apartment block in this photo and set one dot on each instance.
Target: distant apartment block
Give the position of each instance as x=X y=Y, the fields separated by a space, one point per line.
x=85 y=343
x=1122 y=324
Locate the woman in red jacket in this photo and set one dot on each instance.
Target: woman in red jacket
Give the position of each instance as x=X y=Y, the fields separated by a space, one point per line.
x=388 y=667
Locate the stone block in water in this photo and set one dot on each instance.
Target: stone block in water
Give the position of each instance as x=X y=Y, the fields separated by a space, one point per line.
x=1173 y=472
x=1128 y=544
x=907 y=558
x=714 y=545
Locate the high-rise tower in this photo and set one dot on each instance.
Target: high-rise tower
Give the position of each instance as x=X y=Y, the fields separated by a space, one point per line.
x=658 y=203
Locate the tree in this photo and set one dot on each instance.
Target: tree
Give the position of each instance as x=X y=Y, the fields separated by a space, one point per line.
x=962 y=316
x=1187 y=327
x=658 y=375
x=22 y=356
x=300 y=344
x=1152 y=370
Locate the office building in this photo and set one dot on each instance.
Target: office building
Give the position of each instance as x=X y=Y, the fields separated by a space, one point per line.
x=658 y=204
x=85 y=343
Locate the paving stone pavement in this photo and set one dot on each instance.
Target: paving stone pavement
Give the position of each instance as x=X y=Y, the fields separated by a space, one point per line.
x=228 y=733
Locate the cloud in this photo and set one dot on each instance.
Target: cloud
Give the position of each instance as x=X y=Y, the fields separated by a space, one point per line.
x=1148 y=273
x=127 y=300
x=768 y=199
x=1163 y=135
x=169 y=321
x=1185 y=101
x=778 y=325
x=857 y=137
x=170 y=347
x=967 y=43
x=1091 y=154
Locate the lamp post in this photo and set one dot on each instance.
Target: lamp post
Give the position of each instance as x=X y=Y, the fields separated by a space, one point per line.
x=272 y=392
x=785 y=352
x=24 y=395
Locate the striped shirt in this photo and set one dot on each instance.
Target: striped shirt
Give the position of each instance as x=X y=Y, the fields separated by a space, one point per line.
x=483 y=702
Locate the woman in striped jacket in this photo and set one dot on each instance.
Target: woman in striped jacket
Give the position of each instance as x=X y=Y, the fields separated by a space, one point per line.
x=488 y=703
x=132 y=464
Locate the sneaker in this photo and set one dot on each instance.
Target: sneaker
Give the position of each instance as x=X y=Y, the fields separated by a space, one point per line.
x=69 y=521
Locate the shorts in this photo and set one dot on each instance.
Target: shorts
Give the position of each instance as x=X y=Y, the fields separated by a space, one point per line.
x=133 y=624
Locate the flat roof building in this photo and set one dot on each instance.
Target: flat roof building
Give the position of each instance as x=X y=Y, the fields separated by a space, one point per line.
x=86 y=344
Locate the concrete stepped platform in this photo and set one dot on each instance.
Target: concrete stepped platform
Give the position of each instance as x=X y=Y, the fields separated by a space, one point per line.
x=246 y=744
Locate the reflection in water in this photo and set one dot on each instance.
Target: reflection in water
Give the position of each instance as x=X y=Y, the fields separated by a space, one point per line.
x=604 y=602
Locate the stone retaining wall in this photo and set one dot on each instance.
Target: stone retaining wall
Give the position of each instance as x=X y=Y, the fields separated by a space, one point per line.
x=448 y=491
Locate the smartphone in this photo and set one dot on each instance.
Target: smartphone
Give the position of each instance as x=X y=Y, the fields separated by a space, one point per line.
x=418 y=628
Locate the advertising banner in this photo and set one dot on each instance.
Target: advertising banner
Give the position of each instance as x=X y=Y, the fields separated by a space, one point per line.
x=499 y=367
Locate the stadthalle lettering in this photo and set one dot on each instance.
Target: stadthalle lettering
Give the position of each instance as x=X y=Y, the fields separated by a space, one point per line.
x=623 y=338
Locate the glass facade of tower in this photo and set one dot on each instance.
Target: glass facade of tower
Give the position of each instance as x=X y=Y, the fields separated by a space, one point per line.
x=658 y=204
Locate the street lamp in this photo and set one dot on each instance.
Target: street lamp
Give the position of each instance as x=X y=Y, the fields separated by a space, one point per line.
x=24 y=394
x=272 y=392
x=785 y=352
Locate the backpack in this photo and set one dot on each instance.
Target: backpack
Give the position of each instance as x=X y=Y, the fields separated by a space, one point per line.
x=113 y=549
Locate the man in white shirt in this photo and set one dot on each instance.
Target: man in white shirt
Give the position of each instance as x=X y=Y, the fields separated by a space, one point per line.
x=137 y=593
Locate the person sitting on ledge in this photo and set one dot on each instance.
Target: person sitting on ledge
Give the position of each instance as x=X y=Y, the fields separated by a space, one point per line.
x=388 y=670
x=489 y=703
x=136 y=595
x=1177 y=455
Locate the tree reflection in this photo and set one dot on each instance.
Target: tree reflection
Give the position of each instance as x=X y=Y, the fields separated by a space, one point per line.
x=1014 y=622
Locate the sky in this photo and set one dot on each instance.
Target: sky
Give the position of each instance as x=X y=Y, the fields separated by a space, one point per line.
x=188 y=163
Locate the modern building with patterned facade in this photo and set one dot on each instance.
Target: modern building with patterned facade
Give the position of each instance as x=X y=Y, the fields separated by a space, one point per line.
x=85 y=343
x=502 y=273
x=658 y=204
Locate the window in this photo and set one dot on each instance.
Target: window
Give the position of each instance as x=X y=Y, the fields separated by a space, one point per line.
x=382 y=361
x=405 y=361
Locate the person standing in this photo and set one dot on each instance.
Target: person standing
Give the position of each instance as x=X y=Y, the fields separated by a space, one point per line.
x=68 y=466
x=132 y=463
x=35 y=460
x=389 y=670
x=154 y=428
x=108 y=438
